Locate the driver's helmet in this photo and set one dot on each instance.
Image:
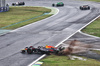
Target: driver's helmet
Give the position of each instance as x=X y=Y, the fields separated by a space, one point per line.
x=26 y=48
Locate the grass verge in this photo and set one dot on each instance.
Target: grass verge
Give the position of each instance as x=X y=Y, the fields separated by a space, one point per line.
x=53 y=60
x=93 y=28
x=18 y=14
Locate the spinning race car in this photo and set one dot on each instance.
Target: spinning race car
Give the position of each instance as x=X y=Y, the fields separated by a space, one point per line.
x=85 y=7
x=58 y=4
x=41 y=50
x=18 y=3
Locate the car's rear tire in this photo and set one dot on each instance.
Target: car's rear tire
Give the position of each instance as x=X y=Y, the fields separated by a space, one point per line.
x=88 y=8
x=23 y=3
x=29 y=51
x=13 y=4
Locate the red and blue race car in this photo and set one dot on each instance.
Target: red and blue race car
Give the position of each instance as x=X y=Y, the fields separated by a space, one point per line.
x=41 y=49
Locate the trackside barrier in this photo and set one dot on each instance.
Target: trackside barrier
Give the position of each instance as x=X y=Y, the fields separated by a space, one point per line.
x=4 y=9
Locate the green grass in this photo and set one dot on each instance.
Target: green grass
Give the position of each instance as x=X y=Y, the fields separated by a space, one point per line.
x=18 y=14
x=93 y=28
x=53 y=60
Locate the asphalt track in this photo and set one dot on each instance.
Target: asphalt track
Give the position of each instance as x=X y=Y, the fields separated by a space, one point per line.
x=49 y=31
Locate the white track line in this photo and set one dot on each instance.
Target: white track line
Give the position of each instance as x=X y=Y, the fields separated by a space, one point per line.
x=37 y=60
x=89 y=23
x=64 y=40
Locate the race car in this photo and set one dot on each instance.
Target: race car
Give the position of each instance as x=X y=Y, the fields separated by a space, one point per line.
x=40 y=49
x=85 y=7
x=58 y=4
x=18 y=3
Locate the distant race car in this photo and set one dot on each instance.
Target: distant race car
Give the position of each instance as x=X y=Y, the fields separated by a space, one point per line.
x=58 y=4
x=85 y=7
x=40 y=50
x=18 y=3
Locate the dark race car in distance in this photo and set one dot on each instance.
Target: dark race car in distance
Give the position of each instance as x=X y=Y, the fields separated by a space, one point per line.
x=85 y=7
x=18 y=3
x=58 y=4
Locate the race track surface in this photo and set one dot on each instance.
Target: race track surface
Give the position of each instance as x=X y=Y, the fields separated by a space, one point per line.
x=49 y=31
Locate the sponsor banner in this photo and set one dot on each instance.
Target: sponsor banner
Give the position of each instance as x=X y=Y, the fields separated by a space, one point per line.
x=4 y=9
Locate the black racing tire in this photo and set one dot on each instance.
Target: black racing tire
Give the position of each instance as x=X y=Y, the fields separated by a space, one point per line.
x=88 y=8
x=53 y=5
x=13 y=4
x=23 y=3
x=80 y=7
x=29 y=51
x=62 y=4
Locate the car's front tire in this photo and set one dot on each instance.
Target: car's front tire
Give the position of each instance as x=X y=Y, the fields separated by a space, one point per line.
x=13 y=4
x=53 y=5
x=62 y=4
